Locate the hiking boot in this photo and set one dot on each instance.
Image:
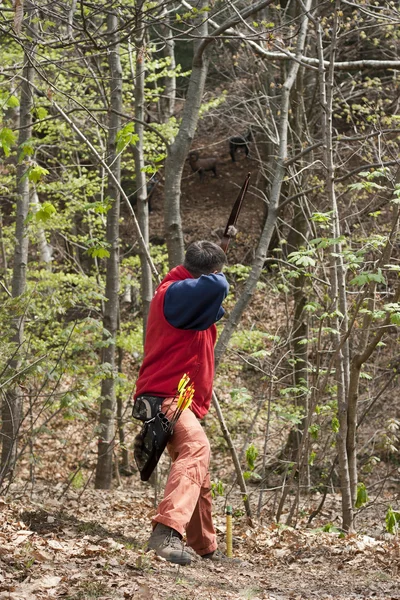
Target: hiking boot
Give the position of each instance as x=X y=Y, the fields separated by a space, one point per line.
x=167 y=542
x=218 y=556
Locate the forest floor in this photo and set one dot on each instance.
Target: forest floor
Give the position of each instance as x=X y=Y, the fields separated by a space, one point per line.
x=82 y=544
x=91 y=545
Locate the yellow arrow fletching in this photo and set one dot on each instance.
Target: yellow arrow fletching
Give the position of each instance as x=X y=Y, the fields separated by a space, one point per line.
x=183 y=382
x=180 y=401
x=186 y=393
x=188 y=403
x=188 y=397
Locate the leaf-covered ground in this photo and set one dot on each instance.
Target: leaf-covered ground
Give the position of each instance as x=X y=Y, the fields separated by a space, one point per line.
x=88 y=545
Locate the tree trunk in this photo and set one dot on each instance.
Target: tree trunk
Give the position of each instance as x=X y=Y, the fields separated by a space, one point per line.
x=125 y=468
x=296 y=239
x=279 y=173
x=140 y=176
x=338 y=277
x=104 y=467
x=235 y=458
x=366 y=348
x=178 y=150
x=167 y=101
x=12 y=399
x=3 y=253
x=45 y=250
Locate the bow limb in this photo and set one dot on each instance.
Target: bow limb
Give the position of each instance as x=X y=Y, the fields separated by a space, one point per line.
x=230 y=226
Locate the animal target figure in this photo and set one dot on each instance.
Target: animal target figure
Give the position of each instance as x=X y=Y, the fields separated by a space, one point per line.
x=240 y=142
x=200 y=165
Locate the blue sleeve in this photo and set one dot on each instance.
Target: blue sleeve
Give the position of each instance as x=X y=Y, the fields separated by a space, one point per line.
x=196 y=303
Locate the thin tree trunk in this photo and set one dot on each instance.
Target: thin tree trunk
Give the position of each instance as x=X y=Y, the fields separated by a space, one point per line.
x=167 y=101
x=264 y=460
x=12 y=399
x=104 y=467
x=300 y=341
x=338 y=278
x=140 y=176
x=125 y=468
x=3 y=252
x=45 y=250
x=279 y=173
x=366 y=348
x=235 y=458
x=178 y=150
x=71 y=18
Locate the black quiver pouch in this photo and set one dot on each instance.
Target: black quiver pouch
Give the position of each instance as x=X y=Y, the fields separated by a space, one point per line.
x=152 y=439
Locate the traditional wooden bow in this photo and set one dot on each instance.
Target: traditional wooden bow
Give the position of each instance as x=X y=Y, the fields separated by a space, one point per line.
x=230 y=230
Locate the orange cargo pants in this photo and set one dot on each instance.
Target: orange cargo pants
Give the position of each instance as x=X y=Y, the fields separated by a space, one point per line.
x=186 y=506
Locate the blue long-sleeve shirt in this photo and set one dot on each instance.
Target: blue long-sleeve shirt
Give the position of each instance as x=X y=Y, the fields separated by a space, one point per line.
x=196 y=303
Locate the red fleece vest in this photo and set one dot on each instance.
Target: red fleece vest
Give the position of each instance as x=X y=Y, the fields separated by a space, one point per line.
x=170 y=352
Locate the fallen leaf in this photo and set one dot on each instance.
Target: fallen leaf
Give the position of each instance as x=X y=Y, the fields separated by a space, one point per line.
x=45 y=583
x=145 y=593
x=41 y=556
x=92 y=549
x=55 y=545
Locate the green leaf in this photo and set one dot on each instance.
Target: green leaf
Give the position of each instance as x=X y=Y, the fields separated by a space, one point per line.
x=364 y=375
x=392 y=520
x=395 y=318
x=319 y=217
x=362 y=495
x=313 y=431
x=251 y=456
x=25 y=149
x=45 y=212
x=126 y=136
x=330 y=528
x=364 y=278
x=99 y=252
x=302 y=258
x=41 y=112
x=13 y=102
x=7 y=139
x=217 y=489
x=36 y=172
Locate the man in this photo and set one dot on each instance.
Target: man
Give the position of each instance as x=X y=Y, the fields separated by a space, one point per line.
x=180 y=339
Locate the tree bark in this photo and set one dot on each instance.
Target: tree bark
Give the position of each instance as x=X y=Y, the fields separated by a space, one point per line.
x=140 y=176
x=338 y=276
x=178 y=150
x=167 y=101
x=45 y=249
x=104 y=467
x=12 y=399
x=3 y=253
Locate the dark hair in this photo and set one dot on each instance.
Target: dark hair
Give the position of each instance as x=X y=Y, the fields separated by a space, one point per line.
x=202 y=258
